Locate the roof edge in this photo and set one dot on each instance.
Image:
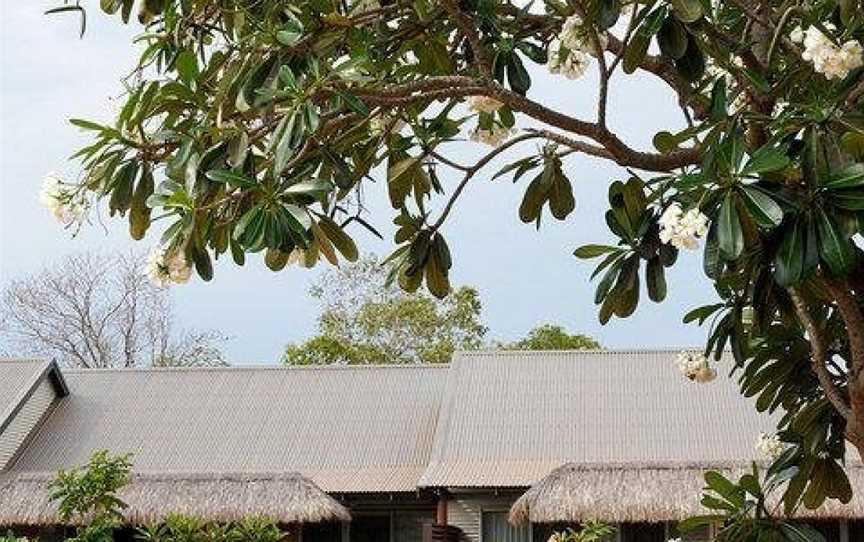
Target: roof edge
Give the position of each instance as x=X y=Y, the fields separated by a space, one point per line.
x=50 y=370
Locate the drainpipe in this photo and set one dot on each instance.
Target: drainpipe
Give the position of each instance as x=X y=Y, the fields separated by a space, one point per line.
x=441 y=509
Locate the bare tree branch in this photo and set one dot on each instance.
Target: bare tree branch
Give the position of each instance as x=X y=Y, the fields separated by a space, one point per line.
x=92 y=311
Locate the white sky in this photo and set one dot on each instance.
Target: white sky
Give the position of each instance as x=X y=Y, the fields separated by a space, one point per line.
x=525 y=277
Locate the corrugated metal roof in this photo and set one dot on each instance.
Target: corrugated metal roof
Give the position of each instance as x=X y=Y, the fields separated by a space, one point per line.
x=16 y=379
x=509 y=418
x=348 y=429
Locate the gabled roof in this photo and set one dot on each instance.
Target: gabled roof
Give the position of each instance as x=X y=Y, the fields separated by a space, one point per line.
x=18 y=378
x=509 y=418
x=348 y=429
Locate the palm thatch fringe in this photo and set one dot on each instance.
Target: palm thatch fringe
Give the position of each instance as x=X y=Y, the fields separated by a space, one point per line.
x=285 y=498
x=643 y=492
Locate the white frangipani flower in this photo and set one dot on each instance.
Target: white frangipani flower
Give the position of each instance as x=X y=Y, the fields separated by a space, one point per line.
x=832 y=61
x=57 y=197
x=797 y=35
x=572 y=64
x=483 y=104
x=570 y=54
x=493 y=137
x=574 y=35
x=165 y=268
x=682 y=230
x=694 y=366
x=769 y=446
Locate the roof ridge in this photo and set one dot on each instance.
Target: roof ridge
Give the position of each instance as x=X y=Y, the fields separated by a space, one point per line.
x=24 y=360
x=587 y=351
x=255 y=368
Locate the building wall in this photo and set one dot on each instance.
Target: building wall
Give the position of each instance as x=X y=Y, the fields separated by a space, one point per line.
x=25 y=420
x=466 y=512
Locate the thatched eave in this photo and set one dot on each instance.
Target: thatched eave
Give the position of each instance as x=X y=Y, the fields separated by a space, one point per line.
x=643 y=492
x=285 y=498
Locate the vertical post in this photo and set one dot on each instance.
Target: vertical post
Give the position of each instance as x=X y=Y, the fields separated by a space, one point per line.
x=441 y=509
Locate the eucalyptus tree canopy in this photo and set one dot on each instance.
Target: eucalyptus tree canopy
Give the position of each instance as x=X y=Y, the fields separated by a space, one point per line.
x=256 y=126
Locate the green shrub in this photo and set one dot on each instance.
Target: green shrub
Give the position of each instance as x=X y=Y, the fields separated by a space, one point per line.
x=89 y=494
x=181 y=528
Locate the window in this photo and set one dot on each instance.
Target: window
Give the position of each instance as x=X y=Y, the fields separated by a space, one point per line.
x=322 y=532
x=370 y=528
x=496 y=528
x=642 y=532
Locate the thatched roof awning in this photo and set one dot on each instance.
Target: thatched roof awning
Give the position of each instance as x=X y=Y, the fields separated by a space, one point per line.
x=642 y=492
x=286 y=498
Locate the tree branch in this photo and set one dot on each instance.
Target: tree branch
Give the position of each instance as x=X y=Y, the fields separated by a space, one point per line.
x=819 y=354
x=473 y=171
x=466 y=26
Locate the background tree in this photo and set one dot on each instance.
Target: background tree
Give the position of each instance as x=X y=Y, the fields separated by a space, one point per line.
x=553 y=337
x=94 y=310
x=263 y=122
x=364 y=320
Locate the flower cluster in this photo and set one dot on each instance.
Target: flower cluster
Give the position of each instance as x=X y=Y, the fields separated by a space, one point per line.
x=769 y=446
x=167 y=267
x=58 y=197
x=570 y=54
x=492 y=137
x=695 y=367
x=829 y=59
x=483 y=104
x=574 y=36
x=682 y=230
x=572 y=64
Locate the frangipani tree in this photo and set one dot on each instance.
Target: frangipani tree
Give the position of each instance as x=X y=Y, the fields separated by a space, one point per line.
x=256 y=126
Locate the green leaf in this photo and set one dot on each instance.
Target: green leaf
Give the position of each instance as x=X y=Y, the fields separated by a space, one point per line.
x=517 y=75
x=702 y=313
x=139 y=212
x=638 y=46
x=719 y=99
x=203 y=264
x=692 y=65
x=766 y=159
x=561 y=201
x=672 y=38
x=290 y=34
x=315 y=188
x=341 y=240
x=187 y=68
x=535 y=196
x=355 y=104
x=534 y=52
x=232 y=178
x=835 y=248
x=655 y=280
x=850 y=177
x=121 y=195
x=688 y=11
x=724 y=487
x=795 y=257
x=730 y=236
x=586 y=252
x=764 y=210
x=853 y=143
x=665 y=142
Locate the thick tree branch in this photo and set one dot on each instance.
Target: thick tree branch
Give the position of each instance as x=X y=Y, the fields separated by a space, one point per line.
x=848 y=307
x=819 y=354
